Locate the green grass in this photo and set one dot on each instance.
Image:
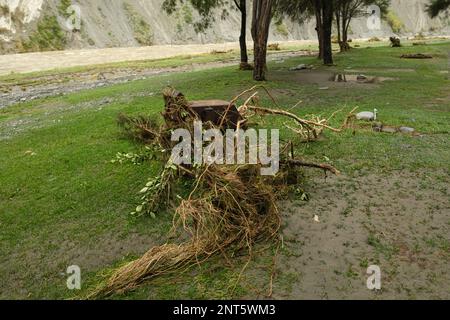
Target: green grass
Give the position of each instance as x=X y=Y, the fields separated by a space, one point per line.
x=63 y=202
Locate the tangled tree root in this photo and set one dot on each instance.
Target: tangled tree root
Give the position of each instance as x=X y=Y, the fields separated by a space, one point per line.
x=226 y=208
x=229 y=208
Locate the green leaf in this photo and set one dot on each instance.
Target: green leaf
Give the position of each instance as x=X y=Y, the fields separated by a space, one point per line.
x=144 y=190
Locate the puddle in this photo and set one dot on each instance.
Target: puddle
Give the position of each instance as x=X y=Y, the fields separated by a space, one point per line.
x=364 y=71
x=324 y=78
x=342 y=77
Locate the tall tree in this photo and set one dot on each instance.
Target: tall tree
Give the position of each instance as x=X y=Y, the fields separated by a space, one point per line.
x=327 y=25
x=206 y=9
x=437 y=6
x=299 y=11
x=323 y=11
x=261 y=18
x=346 y=10
x=242 y=6
x=317 y=6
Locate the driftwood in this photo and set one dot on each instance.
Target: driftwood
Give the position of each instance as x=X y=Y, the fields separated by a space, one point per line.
x=416 y=56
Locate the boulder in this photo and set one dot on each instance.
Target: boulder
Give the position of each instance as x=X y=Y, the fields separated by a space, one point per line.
x=361 y=77
x=300 y=67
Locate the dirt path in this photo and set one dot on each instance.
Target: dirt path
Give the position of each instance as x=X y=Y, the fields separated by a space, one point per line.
x=41 y=61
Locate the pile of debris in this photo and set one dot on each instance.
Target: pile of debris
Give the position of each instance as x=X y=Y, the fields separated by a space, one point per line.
x=230 y=207
x=395 y=42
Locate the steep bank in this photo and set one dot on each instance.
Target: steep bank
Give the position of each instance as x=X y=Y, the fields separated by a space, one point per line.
x=32 y=25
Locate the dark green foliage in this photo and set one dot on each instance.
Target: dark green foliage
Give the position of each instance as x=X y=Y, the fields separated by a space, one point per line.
x=437 y=6
x=63 y=6
x=203 y=7
x=48 y=36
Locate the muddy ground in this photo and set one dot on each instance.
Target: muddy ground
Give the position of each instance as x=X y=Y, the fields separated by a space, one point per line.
x=399 y=222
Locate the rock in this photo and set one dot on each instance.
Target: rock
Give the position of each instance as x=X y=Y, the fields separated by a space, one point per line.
x=407 y=130
x=389 y=129
x=361 y=77
x=377 y=126
x=366 y=116
x=299 y=67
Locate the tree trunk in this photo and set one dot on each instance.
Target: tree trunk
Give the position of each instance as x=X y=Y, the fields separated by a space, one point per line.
x=327 y=20
x=243 y=37
x=345 y=32
x=319 y=26
x=262 y=15
x=338 y=24
x=344 y=45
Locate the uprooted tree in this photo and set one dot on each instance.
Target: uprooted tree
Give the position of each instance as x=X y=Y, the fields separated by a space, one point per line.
x=228 y=208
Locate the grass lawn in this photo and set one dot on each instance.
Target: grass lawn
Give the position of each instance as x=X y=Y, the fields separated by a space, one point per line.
x=62 y=201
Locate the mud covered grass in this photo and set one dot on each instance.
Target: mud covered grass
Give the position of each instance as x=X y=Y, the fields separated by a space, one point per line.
x=63 y=202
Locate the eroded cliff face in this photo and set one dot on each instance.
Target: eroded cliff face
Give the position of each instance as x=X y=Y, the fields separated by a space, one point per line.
x=28 y=25
x=16 y=16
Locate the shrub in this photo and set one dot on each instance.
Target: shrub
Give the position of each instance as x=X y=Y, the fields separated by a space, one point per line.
x=394 y=22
